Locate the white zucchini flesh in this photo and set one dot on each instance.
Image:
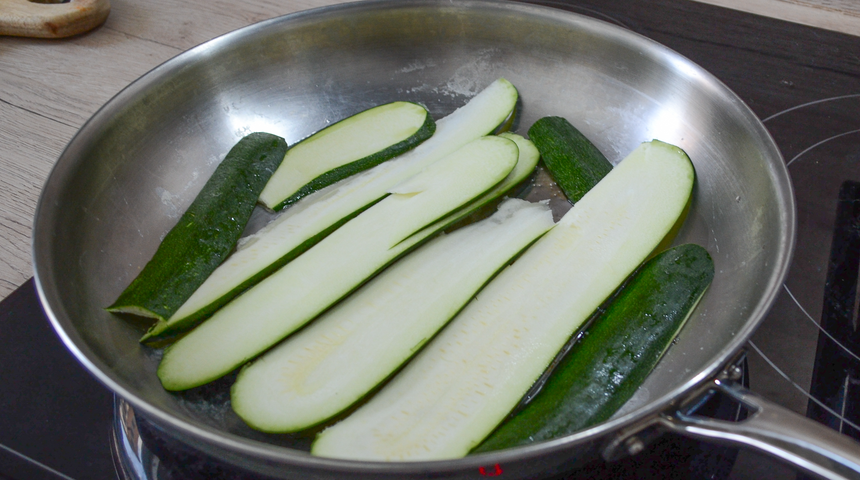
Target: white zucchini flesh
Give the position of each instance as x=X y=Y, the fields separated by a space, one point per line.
x=464 y=382
x=526 y=163
x=310 y=218
x=353 y=347
x=303 y=288
x=350 y=140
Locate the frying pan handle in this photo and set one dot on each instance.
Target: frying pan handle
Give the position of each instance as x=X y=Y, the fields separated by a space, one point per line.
x=777 y=431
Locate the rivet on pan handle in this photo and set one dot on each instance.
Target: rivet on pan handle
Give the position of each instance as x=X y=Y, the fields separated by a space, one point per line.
x=771 y=429
x=634 y=438
x=51 y=18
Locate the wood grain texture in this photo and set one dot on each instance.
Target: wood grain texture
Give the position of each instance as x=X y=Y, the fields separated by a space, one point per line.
x=49 y=88
x=20 y=183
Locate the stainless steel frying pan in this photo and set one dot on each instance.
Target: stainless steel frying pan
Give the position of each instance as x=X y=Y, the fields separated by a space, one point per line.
x=126 y=176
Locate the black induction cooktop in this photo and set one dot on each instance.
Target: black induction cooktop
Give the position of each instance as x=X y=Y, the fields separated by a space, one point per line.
x=803 y=82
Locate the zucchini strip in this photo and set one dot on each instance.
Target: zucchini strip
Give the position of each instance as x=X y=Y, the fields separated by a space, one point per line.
x=464 y=382
x=345 y=148
x=311 y=283
x=207 y=232
x=353 y=347
x=317 y=215
x=574 y=162
x=606 y=366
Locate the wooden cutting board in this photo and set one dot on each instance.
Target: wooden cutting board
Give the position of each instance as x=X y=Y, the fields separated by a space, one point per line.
x=51 y=18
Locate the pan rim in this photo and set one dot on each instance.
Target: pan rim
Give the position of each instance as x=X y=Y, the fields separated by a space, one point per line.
x=211 y=437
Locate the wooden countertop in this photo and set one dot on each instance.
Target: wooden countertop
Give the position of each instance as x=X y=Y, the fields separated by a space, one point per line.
x=49 y=88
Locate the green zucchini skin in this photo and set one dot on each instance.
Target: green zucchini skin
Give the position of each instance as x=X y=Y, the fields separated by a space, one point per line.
x=469 y=377
x=315 y=216
x=606 y=366
x=289 y=298
x=337 y=174
x=318 y=373
x=208 y=230
x=163 y=333
x=574 y=162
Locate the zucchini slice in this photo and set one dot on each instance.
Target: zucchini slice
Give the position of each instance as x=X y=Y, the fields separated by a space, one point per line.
x=207 y=232
x=606 y=366
x=317 y=215
x=345 y=148
x=468 y=378
x=305 y=287
x=574 y=162
x=355 y=346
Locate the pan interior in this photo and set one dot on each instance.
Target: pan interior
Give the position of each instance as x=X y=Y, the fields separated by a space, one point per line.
x=130 y=172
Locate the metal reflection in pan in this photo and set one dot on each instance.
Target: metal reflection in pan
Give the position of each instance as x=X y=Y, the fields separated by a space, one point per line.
x=117 y=186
